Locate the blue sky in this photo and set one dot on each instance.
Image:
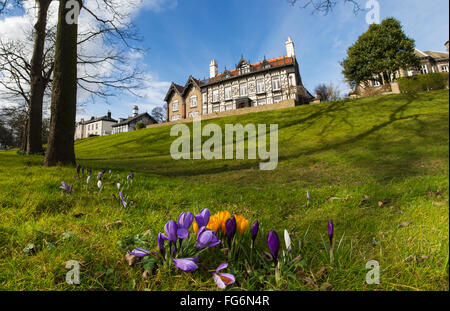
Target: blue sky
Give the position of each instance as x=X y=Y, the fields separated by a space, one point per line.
x=184 y=35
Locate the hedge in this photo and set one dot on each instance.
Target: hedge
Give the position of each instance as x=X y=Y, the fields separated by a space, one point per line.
x=426 y=82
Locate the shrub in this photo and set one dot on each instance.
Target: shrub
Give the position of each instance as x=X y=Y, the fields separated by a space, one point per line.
x=140 y=125
x=426 y=82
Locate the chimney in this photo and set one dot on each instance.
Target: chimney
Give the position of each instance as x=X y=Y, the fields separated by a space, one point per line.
x=135 y=111
x=290 y=47
x=109 y=114
x=446 y=46
x=213 y=69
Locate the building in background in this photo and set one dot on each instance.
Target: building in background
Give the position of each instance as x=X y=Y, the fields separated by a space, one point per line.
x=129 y=124
x=95 y=126
x=248 y=85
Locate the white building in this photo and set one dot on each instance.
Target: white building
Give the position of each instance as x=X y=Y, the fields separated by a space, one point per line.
x=129 y=124
x=95 y=127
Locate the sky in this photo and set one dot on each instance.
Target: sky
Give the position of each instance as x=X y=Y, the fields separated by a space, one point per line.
x=182 y=36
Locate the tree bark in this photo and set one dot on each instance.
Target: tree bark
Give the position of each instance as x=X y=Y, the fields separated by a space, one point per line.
x=60 y=146
x=37 y=84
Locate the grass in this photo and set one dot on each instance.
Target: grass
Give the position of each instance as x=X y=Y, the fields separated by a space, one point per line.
x=349 y=155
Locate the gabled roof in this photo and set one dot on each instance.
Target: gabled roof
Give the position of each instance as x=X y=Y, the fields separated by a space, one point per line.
x=104 y=118
x=174 y=88
x=432 y=54
x=274 y=62
x=191 y=81
x=131 y=119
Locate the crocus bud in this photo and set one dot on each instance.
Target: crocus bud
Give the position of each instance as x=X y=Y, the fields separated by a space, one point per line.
x=118 y=186
x=161 y=244
x=171 y=230
x=274 y=245
x=330 y=231
x=287 y=241
x=88 y=179
x=202 y=219
x=254 y=231
x=230 y=227
x=78 y=169
x=99 y=184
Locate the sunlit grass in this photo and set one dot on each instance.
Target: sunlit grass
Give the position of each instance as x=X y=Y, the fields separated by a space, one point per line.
x=349 y=155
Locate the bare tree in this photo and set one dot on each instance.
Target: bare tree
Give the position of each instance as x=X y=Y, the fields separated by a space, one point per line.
x=324 y=6
x=327 y=92
x=159 y=114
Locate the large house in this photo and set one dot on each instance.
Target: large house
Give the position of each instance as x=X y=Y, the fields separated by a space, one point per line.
x=129 y=124
x=95 y=126
x=247 y=85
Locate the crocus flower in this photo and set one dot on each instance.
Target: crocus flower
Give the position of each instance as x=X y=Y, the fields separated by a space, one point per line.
x=100 y=174
x=118 y=186
x=82 y=170
x=307 y=195
x=139 y=252
x=99 y=184
x=90 y=170
x=161 y=244
x=254 y=230
x=206 y=238
x=241 y=223
x=110 y=172
x=223 y=279
x=122 y=199
x=78 y=169
x=230 y=226
x=287 y=241
x=184 y=222
x=274 y=245
x=88 y=179
x=171 y=231
x=186 y=264
x=202 y=219
x=330 y=231
x=64 y=186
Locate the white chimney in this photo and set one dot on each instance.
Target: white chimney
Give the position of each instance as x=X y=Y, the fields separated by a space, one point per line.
x=290 y=47
x=213 y=69
x=135 y=111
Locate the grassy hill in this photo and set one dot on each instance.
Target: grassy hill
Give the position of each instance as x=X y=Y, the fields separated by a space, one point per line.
x=378 y=167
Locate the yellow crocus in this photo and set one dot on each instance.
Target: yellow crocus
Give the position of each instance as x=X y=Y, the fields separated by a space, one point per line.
x=241 y=223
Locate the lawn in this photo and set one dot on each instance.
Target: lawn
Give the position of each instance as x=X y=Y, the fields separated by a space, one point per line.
x=378 y=167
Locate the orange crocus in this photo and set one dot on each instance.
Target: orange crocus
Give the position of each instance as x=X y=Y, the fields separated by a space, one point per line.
x=241 y=223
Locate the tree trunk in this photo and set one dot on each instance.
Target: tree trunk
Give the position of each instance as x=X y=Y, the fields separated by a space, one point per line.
x=34 y=140
x=60 y=146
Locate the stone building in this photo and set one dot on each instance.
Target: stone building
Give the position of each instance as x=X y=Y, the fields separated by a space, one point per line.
x=247 y=85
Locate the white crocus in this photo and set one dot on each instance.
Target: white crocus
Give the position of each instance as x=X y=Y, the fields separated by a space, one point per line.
x=307 y=195
x=99 y=184
x=118 y=186
x=287 y=240
x=88 y=179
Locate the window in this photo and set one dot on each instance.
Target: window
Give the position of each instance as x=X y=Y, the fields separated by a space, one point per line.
x=175 y=106
x=424 y=69
x=276 y=86
x=176 y=117
x=205 y=98
x=216 y=109
x=276 y=99
x=375 y=83
x=205 y=109
x=193 y=114
x=444 y=68
x=193 y=101
x=261 y=102
x=260 y=86
x=228 y=93
x=215 y=96
x=292 y=79
x=229 y=107
x=243 y=89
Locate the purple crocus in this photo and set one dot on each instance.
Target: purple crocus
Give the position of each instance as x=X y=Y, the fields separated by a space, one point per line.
x=122 y=200
x=186 y=264
x=78 y=169
x=64 y=186
x=184 y=222
x=160 y=240
x=330 y=232
x=223 y=279
x=230 y=226
x=274 y=245
x=100 y=174
x=139 y=252
x=254 y=231
x=202 y=219
x=171 y=231
x=206 y=238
